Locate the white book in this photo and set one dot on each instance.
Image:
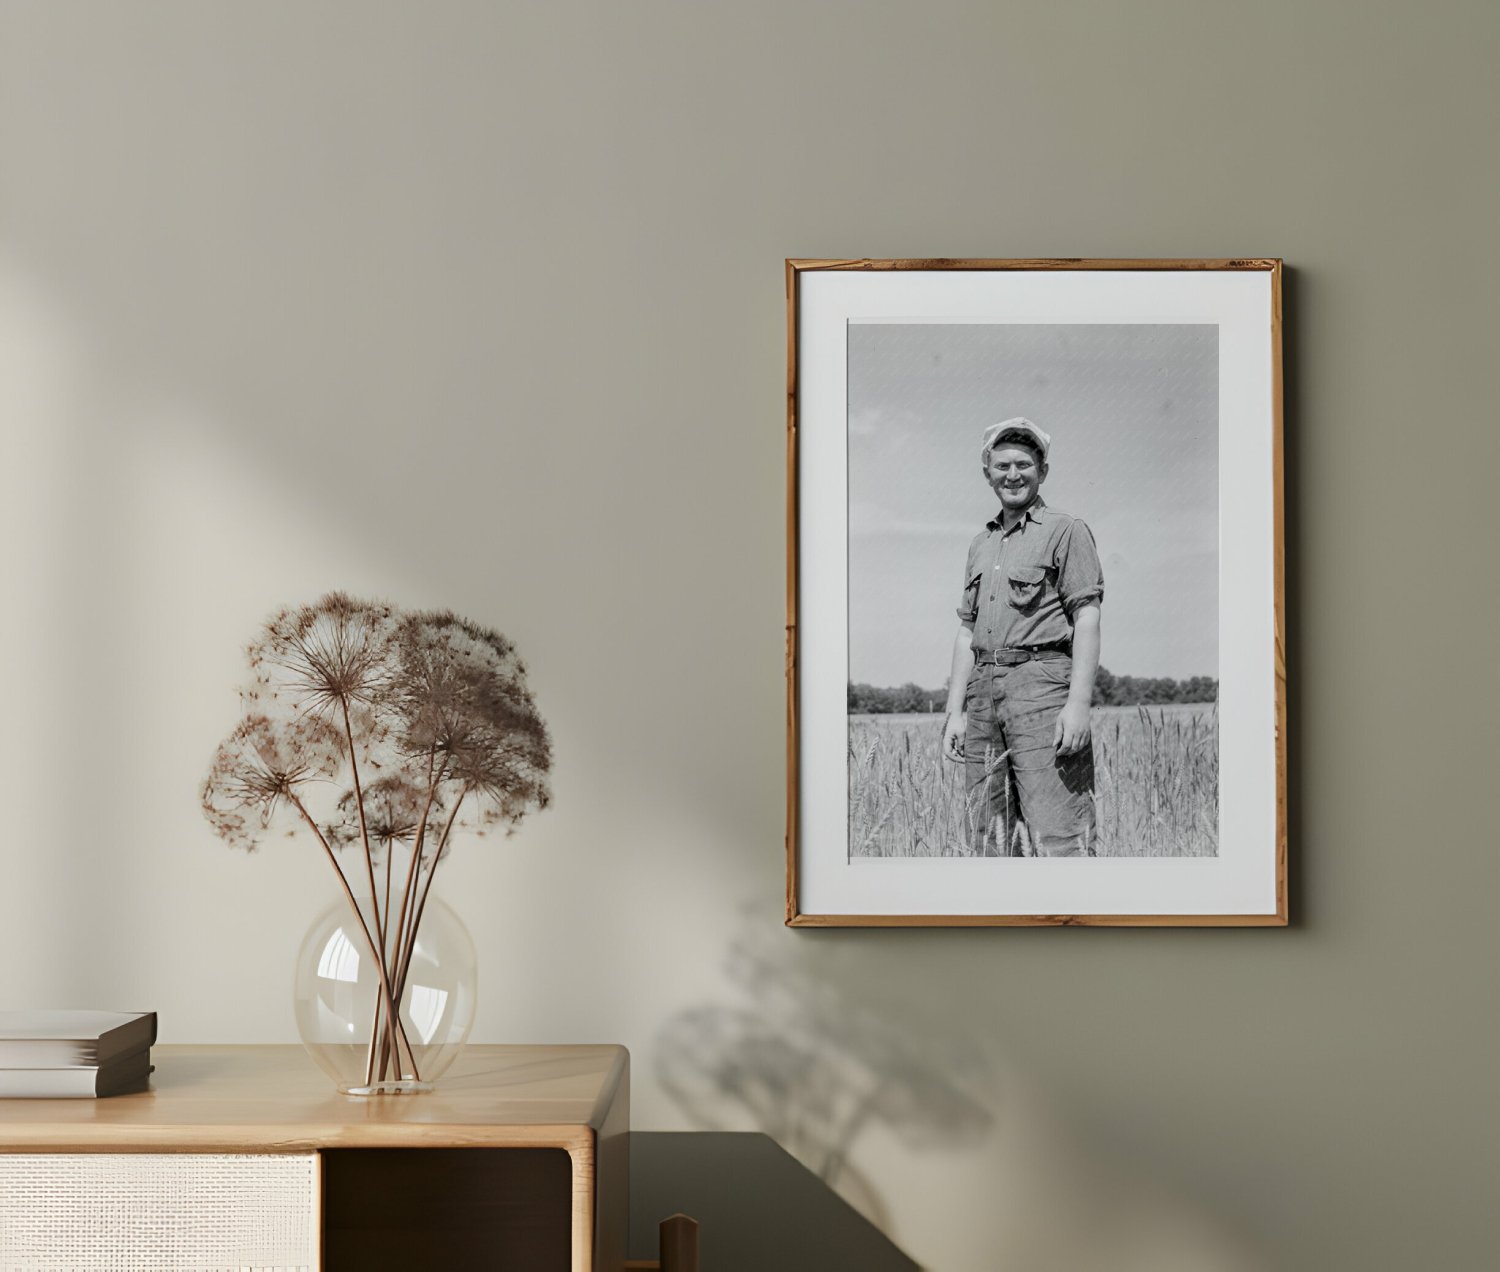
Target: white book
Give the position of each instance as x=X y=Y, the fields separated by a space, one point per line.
x=72 y=1039
x=119 y=1076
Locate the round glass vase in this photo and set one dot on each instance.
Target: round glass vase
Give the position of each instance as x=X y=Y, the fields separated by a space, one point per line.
x=341 y=998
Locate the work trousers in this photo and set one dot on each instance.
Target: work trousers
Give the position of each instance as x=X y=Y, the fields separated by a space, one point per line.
x=1013 y=772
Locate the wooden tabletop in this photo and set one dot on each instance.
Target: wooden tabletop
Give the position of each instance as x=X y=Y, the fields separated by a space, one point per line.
x=275 y=1099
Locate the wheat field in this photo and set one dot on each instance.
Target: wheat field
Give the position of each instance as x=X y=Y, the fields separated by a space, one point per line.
x=1156 y=785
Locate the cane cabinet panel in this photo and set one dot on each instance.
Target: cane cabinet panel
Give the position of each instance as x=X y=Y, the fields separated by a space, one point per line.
x=245 y=1157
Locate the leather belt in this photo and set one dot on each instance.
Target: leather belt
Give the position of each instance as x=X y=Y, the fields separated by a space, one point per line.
x=1015 y=657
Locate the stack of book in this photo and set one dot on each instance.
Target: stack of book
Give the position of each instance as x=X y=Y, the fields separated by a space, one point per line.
x=52 y=1055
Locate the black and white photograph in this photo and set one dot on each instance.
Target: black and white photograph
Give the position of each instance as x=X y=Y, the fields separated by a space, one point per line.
x=1036 y=671
x=1033 y=590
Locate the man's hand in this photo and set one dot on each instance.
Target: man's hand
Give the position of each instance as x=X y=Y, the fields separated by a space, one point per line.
x=1072 y=732
x=953 y=736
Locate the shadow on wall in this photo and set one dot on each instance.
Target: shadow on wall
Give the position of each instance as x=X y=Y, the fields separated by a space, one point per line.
x=920 y=1126
x=801 y=1061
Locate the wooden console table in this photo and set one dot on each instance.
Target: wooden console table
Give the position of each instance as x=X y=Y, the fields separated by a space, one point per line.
x=520 y=1158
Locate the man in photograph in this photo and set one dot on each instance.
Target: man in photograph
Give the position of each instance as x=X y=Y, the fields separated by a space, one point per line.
x=1024 y=662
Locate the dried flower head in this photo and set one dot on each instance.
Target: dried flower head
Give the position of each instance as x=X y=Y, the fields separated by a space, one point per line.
x=261 y=767
x=323 y=658
x=460 y=693
x=428 y=706
x=394 y=805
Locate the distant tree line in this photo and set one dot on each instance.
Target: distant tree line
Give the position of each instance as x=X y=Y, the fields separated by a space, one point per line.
x=1110 y=690
x=1129 y=691
x=868 y=700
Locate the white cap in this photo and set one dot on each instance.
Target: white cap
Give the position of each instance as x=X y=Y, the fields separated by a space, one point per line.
x=1019 y=427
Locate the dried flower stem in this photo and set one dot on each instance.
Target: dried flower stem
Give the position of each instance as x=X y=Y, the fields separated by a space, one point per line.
x=385 y=954
x=364 y=832
x=434 y=778
x=364 y=838
x=385 y=984
x=409 y=944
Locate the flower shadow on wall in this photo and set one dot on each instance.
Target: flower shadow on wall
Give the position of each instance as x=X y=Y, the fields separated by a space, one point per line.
x=799 y=1059
x=805 y=1052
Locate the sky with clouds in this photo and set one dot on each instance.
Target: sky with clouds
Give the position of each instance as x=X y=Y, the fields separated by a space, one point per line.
x=1133 y=413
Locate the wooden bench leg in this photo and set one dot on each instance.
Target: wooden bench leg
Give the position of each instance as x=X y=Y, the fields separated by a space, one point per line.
x=679 y=1244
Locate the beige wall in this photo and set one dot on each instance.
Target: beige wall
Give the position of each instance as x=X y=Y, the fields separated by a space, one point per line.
x=481 y=305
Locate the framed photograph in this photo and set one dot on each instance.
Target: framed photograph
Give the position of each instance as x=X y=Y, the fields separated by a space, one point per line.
x=1035 y=667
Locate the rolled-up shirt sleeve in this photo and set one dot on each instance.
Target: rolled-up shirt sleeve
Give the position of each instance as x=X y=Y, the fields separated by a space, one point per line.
x=968 y=604
x=1080 y=578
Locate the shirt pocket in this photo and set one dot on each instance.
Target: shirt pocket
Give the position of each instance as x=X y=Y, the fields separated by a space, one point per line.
x=1027 y=583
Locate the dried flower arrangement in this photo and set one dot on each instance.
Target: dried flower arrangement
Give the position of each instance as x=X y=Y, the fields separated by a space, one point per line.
x=380 y=733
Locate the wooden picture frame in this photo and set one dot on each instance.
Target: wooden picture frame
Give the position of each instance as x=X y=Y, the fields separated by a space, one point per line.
x=1192 y=347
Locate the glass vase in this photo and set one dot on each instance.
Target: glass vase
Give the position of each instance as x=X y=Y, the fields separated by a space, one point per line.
x=341 y=1000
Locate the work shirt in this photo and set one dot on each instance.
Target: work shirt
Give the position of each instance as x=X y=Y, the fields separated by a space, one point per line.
x=1022 y=586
